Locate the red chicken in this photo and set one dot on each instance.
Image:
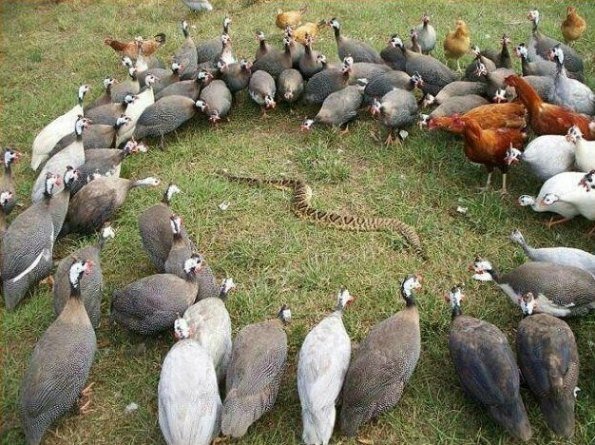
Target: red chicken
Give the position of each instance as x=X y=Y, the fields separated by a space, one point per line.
x=484 y=146
x=547 y=118
x=490 y=116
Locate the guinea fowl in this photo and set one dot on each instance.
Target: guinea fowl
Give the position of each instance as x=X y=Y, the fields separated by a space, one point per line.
x=262 y=90
x=426 y=35
x=561 y=291
x=166 y=77
x=95 y=136
x=364 y=70
x=565 y=256
x=181 y=248
x=109 y=114
x=152 y=304
x=72 y=155
x=458 y=88
x=215 y=100
x=210 y=326
x=309 y=63
x=584 y=151
x=187 y=386
x=538 y=67
x=543 y=86
x=60 y=364
x=275 y=61
x=583 y=201
x=322 y=365
x=128 y=87
x=7 y=203
x=471 y=73
x=549 y=363
x=546 y=156
x=347 y=47
x=383 y=83
x=327 y=81
x=297 y=51
x=435 y=74
x=290 y=85
x=187 y=88
x=254 y=373
x=449 y=109
x=501 y=58
x=540 y=45
x=27 y=247
x=392 y=54
x=486 y=367
x=382 y=364
x=568 y=92
x=91 y=286
x=339 y=108
x=49 y=136
x=134 y=111
x=155 y=229
x=165 y=116
x=6 y=180
x=210 y=50
x=495 y=80
x=236 y=75
x=263 y=46
x=186 y=55
x=98 y=201
x=106 y=97
x=396 y=109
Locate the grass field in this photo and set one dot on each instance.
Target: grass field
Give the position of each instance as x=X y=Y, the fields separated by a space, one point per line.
x=49 y=49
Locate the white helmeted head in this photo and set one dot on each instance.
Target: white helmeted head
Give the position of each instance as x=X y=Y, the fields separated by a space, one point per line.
x=181 y=328
x=527 y=303
x=285 y=314
x=550 y=199
x=482 y=269
x=344 y=298
x=77 y=270
x=526 y=200
x=193 y=264
x=513 y=155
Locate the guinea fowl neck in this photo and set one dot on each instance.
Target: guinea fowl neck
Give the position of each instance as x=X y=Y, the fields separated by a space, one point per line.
x=456 y=311
x=409 y=297
x=75 y=290
x=337 y=33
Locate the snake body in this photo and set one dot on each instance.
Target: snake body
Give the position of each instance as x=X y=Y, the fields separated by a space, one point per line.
x=302 y=208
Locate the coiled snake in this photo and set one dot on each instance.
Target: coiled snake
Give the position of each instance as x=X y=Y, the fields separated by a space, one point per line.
x=301 y=207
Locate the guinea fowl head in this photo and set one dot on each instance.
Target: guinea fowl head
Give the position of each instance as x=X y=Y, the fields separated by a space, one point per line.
x=227 y=285
x=201 y=105
x=83 y=89
x=534 y=16
x=193 y=265
x=260 y=36
x=454 y=297
x=417 y=80
x=321 y=58
x=334 y=23
x=517 y=237
x=51 y=181
x=269 y=102
x=526 y=200
x=132 y=72
x=527 y=303
x=557 y=55
x=175 y=223
x=344 y=298
x=122 y=120
x=396 y=42
x=284 y=314
x=376 y=107
x=588 y=181
x=513 y=155
x=204 y=77
x=150 y=80
x=11 y=156
x=574 y=134
x=226 y=23
x=77 y=270
x=480 y=69
x=500 y=96
x=176 y=67
x=425 y=18
x=170 y=191
x=245 y=65
x=410 y=284
x=108 y=81
x=482 y=268
x=181 y=329
x=307 y=125
x=521 y=51
x=80 y=124
x=225 y=39
x=129 y=99
x=71 y=175
x=185 y=28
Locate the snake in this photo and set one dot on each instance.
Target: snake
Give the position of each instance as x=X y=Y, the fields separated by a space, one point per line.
x=302 y=208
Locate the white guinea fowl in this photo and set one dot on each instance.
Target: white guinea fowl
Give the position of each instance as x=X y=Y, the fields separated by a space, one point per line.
x=188 y=395
x=565 y=256
x=211 y=327
x=322 y=365
x=584 y=151
x=47 y=138
x=134 y=111
x=559 y=184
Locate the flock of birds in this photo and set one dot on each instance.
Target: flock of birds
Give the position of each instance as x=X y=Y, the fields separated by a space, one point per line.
x=79 y=190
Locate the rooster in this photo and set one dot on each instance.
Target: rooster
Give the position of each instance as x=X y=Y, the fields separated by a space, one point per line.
x=484 y=146
x=547 y=118
x=132 y=48
x=574 y=26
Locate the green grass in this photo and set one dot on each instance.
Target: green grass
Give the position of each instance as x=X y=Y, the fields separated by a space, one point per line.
x=49 y=49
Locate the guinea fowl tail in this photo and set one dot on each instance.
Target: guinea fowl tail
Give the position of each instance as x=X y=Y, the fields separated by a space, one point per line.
x=559 y=414
x=513 y=418
x=240 y=411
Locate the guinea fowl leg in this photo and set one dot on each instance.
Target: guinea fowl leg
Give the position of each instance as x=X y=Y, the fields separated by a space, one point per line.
x=85 y=399
x=591 y=232
x=264 y=113
x=162 y=143
x=344 y=131
x=553 y=222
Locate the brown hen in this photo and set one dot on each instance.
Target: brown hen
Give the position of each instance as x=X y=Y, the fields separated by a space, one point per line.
x=290 y=18
x=489 y=117
x=574 y=26
x=131 y=49
x=458 y=42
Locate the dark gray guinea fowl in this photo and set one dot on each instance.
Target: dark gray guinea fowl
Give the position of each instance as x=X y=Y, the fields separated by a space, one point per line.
x=274 y=61
x=152 y=304
x=501 y=58
x=309 y=64
x=60 y=364
x=155 y=229
x=210 y=50
x=108 y=114
x=290 y=85
x=327 y=81
x=383 y=83
x=347 y=47
x=339 y=108
x=549 y=363
x=94 y=136
x=236 y=75
x=254 y=373
x=27 y=247
x=393 y=55
x=120 y=90
x=7 y=183
x=263 y=46
x=91 y=285
x=397 y=109
x=382 y=364
x=187 y=88
x=106 y=97
x=215 y=100
x=186 y=55
x=486 y=368
x=365 y=70
x=98 y=201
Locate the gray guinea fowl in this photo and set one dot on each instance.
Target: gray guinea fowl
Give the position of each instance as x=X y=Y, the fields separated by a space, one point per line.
x=397 y=109
x=95 y=136
x=486 y=368
x=210 y=50
x=538 y=67
x=73 y=155
x=181 y=248
x=60 y=364
x=166 y=77
x=155 y=229
x=569 y=92
x=455 y=105
x=382 y=364
x=263 y=46
x=128 y=87
x=211 y=327
x=290 y=85
x=339 y=108
x=262 y=90
x=27 y=247
x=549 y=363
x=565 y=256
x=164 y=116
x=456 y=89
x=383 y=83
x=254 y=373
x=275 y=61
x=186 y=55
x=7 y=184
x=98 y=201
x=470 y=71
x=309 y=64
x=327 y=81
x=215 y=100
x=393 y=55
x=364 y=70
x=187 y=88
x=426 y=35
x=236 y=75
x=106 y=97
x=322 y=365
x=108 y=114
x=561 y=291
x=91 y=285
x=151 y=305
x=188 y=395
x=501 y=58
x=347 y=47
x=108 y=161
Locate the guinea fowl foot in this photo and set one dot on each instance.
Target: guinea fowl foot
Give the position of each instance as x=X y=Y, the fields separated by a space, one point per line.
x=591 y=232
x=553 y=222
x=49 y=281
x=84 y=401
x=344 y=131
x=220 y=439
